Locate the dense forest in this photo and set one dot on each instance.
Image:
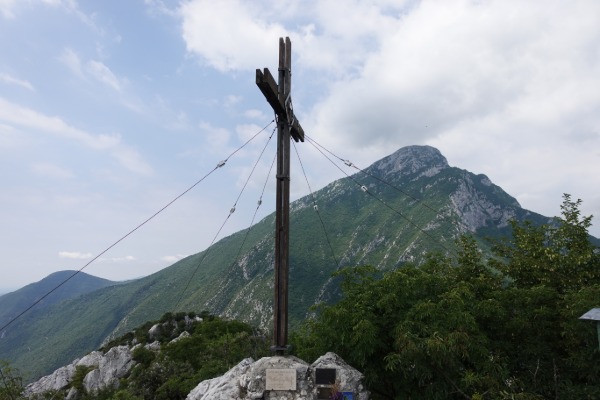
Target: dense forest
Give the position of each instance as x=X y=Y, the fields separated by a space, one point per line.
x=471 y=326
x=506 y=327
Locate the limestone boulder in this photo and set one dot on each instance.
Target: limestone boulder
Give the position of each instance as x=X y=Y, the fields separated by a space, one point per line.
x=226 y=387
x=114 y=365
x=248 y=380
x=55 y=381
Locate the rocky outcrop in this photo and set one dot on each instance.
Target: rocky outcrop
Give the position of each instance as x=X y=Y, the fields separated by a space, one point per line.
x=419 y=160
x=475 y=210
x=248 y=380
x=227 y=386
x=114 y=365
x=105 y=371
x=349 y=379
x=55 y=381
x=167 y=328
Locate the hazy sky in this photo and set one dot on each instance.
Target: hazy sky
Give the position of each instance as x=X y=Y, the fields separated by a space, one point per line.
x=110 y=109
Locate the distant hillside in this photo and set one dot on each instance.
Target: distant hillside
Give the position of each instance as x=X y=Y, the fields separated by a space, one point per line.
x=398 y=210
x=12 y=304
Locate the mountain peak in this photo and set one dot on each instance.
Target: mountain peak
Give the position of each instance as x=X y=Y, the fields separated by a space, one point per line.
x=421 y=160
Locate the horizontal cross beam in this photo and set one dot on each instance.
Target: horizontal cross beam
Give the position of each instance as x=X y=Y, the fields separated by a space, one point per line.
x=269 y=89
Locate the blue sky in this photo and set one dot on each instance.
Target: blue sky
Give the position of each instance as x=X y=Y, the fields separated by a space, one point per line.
x=109 y=109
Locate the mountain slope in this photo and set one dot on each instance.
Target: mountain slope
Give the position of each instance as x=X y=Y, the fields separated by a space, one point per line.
x=397 y=210
x=11 y=304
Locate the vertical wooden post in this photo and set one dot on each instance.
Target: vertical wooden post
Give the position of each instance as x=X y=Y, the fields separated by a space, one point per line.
x=279 y=97
x=282 y=212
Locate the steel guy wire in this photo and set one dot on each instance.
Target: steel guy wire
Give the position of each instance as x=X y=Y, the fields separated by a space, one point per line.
x=337 y=263
x=219 y=165
x=352 y=165
x=366 y=190
x=231 y=211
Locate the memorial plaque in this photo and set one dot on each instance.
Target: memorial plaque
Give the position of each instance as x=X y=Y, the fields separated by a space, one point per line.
x=281 y=379
x=325 y=376
x=324 y=393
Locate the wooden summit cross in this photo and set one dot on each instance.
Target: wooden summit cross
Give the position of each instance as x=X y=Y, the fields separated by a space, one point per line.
x=279 y=97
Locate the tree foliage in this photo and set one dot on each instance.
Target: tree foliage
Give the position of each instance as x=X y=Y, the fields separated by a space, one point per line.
x=468 y=327
x=11 y=383
x=210 y=347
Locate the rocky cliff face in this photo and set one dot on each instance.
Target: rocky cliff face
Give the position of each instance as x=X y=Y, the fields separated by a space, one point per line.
x=412 y=160
x=477 y=209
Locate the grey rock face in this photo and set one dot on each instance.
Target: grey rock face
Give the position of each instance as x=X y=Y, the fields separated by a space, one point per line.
x=183 y=335
x=421 y=160
x=225 y=387
x=247 y=380
x=55 y=381
x=114 y=365
x=107 y=370
x=154 y=346
x=256 y=378
x=90 y=360
x=475 y=210
x=350 y=379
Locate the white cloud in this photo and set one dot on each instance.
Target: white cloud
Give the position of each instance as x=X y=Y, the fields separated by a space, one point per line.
x=92 y=68
x=132 y=160
x=229 y=34
x=179 y=120
x=516 y=80
x=74 y=255
x=54 y=3
x=51 y=171
x=448 y=63
x=103 y=74
x=16 y=114
x=216 y=137
x=247 y=131
x=254 y=114
x=409 y=72
x=231 y=100
x=7 y=8
x=11 y=80
x=335 y=38
x=10 y=137
x=72 y=7
x=72 y=61
x=173 y=259
x=28 y=118
x=158 y=7
x=498 y=86
x=119 y=259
